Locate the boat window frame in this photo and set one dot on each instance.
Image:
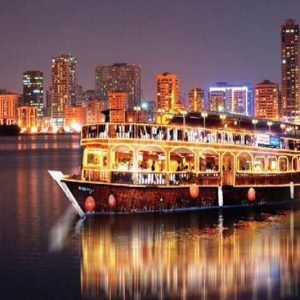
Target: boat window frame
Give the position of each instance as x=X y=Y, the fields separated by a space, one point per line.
x=238 y=162
x=287 y=163
x=276 y=159
x=254 y=160
x=144 y=147
x=113 y=152
x=88 y=151
x=199 y=161
x=297 y=163
x=185 y=148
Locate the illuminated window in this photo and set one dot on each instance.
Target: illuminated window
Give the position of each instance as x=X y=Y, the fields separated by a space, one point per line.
x=244 y=161
x=272 y=164
x=182 y=159
x=93 y=158
x=259 y=164
x=295 y=164
x=209 y=161
x=283 y=164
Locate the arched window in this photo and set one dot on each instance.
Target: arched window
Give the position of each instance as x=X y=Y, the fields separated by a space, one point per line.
x=152 y=158
x=259 y=164
x=209 y=161
x=244 y=162
x=272 y=164
x=122 y=158
x=182 y=159
x=283 y=163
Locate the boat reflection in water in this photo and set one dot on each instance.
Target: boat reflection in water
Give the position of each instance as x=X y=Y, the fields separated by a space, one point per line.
x=192 y=256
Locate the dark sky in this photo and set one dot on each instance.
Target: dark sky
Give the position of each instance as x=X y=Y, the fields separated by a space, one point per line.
x=203 y=41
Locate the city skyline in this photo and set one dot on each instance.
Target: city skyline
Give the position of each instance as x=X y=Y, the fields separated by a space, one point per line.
x=201 y=42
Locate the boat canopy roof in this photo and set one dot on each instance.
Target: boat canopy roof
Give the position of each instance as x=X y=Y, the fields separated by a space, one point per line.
x=214 y=120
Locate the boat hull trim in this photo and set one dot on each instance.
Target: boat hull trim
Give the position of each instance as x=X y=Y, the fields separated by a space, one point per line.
x=117 y=198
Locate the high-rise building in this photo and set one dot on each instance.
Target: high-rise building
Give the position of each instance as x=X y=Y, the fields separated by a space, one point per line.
x=33 y=91
x=94 y=110
x=266 y=100
x=290 y=71
x=251 y=104
x=230 y=99
x=117 y=105
x=27 y=117
x=63 y=86
x=167 y=93
x=75 y=117
x=123 y=77
x=8 y=107
x=196 y=99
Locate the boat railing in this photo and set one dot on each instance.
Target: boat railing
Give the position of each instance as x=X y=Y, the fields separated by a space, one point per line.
x=164 y=178
x=266 y=178
x=155 y=132
x=92 y=174
x=151 y=177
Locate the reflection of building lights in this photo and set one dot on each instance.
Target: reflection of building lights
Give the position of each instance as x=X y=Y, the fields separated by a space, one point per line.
x=76 y=127
x=33 y=130
x=174 y=256
x=54 y=129
x=67 y=129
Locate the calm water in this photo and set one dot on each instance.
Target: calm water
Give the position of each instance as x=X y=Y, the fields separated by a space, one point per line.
x=47 y=253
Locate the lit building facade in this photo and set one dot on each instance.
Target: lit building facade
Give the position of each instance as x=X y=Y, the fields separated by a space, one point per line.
x=63 y=86
x=33 y=91
x=251 y=104
x=119 y=78
x=8 y=107
x=75 y=116
x=117 y=105
x=94 y=111
x=27 y=116
x=266 y=100
x=167 y=92
x=230 y=99
x=290 y=71
x=196 y=99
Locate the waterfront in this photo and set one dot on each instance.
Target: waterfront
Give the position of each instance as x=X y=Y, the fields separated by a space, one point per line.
x=195 y=255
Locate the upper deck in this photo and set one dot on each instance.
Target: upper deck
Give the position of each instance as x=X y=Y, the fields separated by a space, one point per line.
x=209 y=151
x=238 y=132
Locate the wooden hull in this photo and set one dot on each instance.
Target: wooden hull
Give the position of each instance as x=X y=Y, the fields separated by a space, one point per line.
x=109 y=198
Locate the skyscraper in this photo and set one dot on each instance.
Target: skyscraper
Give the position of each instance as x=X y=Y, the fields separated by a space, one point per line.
x=63 y=86
x=8 y=107
x=117 y=105
x=123 y=77
x=266 y=100
x=33 y=91
x=167 y=92
x=196 y=99
x=228 y=98
x=290 y=70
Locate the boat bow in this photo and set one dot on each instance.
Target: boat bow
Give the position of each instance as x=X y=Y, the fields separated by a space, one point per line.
x=57 y=176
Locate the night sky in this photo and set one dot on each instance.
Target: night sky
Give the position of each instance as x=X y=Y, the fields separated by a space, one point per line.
x=203 y=41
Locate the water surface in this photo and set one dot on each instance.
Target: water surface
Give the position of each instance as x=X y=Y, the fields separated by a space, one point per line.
x=46 y=253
